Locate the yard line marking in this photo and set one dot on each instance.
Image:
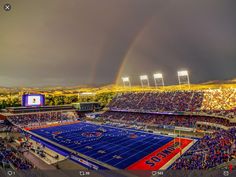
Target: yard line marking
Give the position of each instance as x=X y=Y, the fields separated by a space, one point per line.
x=139 y=152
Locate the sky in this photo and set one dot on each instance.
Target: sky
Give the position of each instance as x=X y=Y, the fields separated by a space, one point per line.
x=96 y=42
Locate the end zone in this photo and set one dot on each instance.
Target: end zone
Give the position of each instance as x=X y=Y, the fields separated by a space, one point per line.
x=164 y=156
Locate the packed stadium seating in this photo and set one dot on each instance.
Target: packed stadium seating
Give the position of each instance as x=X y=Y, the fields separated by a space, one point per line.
x=210 y=151
x=159 y=101
x=222 y=113
x=219 y=99
x=4 y=128
x=39 y=118
x=9 y=156
x=218 y=102
x=161 y=120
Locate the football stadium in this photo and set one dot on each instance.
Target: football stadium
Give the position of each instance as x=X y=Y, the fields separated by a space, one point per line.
x=149 y=130
x=117 y=88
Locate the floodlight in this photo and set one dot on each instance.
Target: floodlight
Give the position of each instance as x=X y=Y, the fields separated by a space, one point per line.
x=126 y=81
x=144 y=78
x=158 y=76
x=158 y=79
x=183 y=73
x=183 y=77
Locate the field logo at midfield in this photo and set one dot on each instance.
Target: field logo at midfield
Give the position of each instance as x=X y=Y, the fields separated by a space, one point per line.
x=92 y=134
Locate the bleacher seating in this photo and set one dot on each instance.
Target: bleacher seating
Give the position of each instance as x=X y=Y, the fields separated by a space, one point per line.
x=157 y=119
x=9 y=156
x=159 y=101
x=39 y=118
x=210 y=151
x=218 y=102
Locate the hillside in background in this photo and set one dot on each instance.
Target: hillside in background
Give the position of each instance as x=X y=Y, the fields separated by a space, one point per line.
x=114 y=88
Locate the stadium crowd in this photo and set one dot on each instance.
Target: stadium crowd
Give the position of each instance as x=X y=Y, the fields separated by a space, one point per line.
x=219 y=99
x=161 y=120
x=218 y=102
x=40 y=118
x=158 y=101
x=210 y=151
x=9 y=157
x=5 y=128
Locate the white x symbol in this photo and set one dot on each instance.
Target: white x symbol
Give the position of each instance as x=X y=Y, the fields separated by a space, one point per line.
x=7 y=7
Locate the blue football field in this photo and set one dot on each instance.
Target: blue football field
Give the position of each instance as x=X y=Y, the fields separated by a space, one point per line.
x=117 y=147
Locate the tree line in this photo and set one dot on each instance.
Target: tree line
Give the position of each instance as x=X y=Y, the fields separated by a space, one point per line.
x=50 y=99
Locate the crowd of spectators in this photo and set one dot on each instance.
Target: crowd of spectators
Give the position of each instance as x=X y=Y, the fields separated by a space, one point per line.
x=219 y=99
x=127 y=100
x=218 y=102
x=40 y=118
x=221 y=102
x=158 y=101
x=222 y=113
x=210 y=151
x=10 y=157
x=5 y=128
x=160 y=119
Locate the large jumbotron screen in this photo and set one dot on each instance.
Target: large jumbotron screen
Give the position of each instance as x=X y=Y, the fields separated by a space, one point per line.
x=33 y=100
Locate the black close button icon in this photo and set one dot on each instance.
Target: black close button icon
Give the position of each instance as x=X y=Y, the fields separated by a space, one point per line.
x=7 y=7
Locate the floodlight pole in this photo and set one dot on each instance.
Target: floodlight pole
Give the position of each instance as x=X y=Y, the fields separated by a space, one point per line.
x=148 y=82
x=160 y=77
x=188 y=80
x=142 y=78
x=143 y=84
x=155 y=82
x=129 y=84
x=124 y=83
x=162 y=82
x=126 y=80
x=183 y=74
x=179 y=80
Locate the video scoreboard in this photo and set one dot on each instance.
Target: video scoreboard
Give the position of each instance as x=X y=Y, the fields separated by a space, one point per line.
x=33 y=100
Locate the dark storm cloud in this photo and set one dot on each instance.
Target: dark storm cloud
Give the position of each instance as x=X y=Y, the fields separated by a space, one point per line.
x=79 y=42
x=194 y=35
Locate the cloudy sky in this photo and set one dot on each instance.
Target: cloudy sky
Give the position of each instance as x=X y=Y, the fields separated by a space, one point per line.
x=95 y=42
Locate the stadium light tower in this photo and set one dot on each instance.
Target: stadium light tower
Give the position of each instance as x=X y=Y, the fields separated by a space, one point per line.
x=183 y=77
x=144 y=79
x=126 y=81
x=158 y=79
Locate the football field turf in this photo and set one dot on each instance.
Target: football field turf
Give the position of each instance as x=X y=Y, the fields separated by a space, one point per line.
x=118 y=147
